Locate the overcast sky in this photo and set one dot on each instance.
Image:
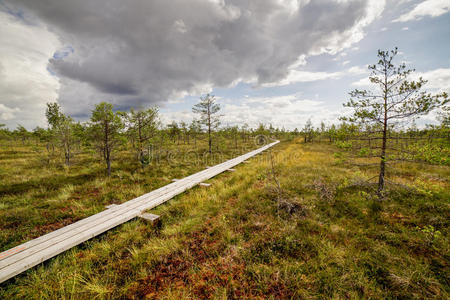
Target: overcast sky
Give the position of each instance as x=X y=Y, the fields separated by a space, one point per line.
x=270 y=61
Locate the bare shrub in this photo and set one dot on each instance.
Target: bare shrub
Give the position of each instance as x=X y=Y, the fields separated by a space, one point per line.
x=293 y=207
x=326 y=191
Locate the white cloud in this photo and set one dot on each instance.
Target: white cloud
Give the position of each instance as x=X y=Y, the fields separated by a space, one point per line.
x=7 y=113
x=180 y=26
x=438 y=80
x=296 y=76
x=289 y=111
x=154 y=52
x=357 y=70
x=168 y=116
x=432 y=8
x=363 y=82
x=301 y=61
x=341 y=55
x=25 y=85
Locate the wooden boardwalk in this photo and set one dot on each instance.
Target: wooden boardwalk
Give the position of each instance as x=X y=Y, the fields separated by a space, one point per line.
x=25 y=256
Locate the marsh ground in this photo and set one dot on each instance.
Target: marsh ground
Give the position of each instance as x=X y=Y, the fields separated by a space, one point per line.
x=323 y=234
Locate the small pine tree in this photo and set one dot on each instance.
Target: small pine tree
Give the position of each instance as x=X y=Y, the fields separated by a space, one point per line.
x=195 y=129
x=106 y=126
x=308 y=131
x=141 y=127
x=208 y=110
x=396 y=100
x=61 y=127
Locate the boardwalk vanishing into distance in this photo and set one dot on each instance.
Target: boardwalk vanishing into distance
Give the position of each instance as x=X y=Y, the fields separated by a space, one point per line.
x=25 y=256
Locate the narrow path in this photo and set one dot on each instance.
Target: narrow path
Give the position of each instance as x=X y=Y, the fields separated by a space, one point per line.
x=25 y=256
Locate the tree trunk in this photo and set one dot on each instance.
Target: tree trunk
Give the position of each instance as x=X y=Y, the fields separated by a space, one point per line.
x=108 y=163
x=141 y=151
x=382 y=164
x=209 y=137
x=209 y=141
x=107 y=149
x=383 y=145
x=209 y=129
x=67 y=154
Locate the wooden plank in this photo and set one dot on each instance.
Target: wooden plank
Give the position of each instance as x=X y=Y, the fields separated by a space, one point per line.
x=129 y=203
x=31 y=261
x=204 y=184
x=66 y=235
x=29 y=254
x=231 y=170
x=103 y=215
x=94 y=222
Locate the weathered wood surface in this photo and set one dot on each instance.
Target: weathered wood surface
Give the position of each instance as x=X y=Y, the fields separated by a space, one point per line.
x=153 y=219
x=22 y=257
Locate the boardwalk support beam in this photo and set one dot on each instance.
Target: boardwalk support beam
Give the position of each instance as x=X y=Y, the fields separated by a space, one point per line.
x=150 y=218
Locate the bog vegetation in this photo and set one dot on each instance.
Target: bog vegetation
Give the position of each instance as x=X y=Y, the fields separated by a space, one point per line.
x=357 y=209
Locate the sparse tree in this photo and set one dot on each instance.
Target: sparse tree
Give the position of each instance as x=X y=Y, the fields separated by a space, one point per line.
x=22 y=132
x=141 y=127
x=322 y=127
x=234 y=130
x=174 y=131
x=261 y=130
x=244 y=132
x=396 y=99
x=40 y=134
x=80 y=133
x=4 y=131
x=61 y=127
x=106 y=126
x=185 y=130
x=195 y=129
x=208 y=110
x=331 y=133
x=308 y=131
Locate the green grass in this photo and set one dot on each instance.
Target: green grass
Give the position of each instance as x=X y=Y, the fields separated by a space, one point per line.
x=38 y=195
x=235 y=239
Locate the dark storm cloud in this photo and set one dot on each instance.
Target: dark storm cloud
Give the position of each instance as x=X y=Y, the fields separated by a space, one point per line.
x=111 y=81
x=143 y=52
